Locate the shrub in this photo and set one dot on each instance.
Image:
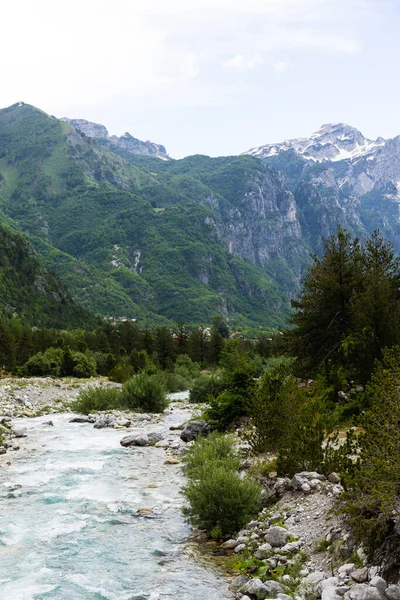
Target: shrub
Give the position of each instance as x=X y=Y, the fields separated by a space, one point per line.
x=172 y=382
x=94 y=399
x=44 y=363
x=83 y=366
x=219 y=500
x=205 y=386
x=144 y=392
x=121 y=373
x=215 y=449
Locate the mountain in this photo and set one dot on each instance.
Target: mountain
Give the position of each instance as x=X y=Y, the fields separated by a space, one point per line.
x=157 y=240
x=339 y=176
x=30 y=291
x=332 y=142
x=125 y=142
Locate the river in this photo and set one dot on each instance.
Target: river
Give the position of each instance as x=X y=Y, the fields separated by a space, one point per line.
x=68 y=529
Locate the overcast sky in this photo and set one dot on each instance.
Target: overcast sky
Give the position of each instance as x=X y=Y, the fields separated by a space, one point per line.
x=206 y=76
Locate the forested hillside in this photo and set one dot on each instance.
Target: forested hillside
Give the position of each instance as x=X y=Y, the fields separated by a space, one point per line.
x=131 y=240
x=30 y=291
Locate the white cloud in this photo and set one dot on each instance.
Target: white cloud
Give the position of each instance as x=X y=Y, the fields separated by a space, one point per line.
x=189 y=67
x=280 y=67
x=242 y=63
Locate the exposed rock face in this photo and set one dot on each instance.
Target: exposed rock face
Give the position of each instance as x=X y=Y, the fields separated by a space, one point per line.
x=339 y=176
x=125 y=142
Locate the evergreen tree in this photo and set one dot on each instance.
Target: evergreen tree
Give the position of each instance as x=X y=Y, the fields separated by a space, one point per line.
x=323 y=308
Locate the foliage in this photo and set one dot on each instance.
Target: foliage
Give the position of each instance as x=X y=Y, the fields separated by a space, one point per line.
x=94 y=399
x=219 y=500
x=216 y=449
x=144 y=393
x=206 y=385
x=373 y=484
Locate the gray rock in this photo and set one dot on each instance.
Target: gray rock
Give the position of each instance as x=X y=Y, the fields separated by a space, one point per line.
x=306 y=488
x=378 y=582
x=334 y=478
x=3 y=450
x=347 y=568
x=362 y=591
x=315 y=578
x=238 y=582
x=155 y=436
x=80 y=420
x=134 y=440
x=256 y=588
x=360 y=575
x=229 y=544
x=277 y=536
x=263 y=551
x=240 y=548
x=393 y=592
x=105 y=421
x=48 y=423
x=291 y=547
x=195 y=428
x=19 y=433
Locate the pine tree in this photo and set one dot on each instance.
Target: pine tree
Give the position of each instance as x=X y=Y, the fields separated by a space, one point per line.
x=323 y=308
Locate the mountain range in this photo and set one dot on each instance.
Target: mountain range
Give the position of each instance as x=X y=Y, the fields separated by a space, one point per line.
x=131 y=232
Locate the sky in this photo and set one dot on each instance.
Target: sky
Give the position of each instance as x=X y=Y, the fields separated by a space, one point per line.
x=212 y=77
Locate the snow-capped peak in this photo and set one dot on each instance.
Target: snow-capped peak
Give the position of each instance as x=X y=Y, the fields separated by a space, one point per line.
x=332 y=142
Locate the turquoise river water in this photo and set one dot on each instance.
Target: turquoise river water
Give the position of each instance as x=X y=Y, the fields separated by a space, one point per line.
x=68 y=529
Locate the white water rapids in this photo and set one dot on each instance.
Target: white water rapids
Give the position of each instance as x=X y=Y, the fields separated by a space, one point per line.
x=68 y=529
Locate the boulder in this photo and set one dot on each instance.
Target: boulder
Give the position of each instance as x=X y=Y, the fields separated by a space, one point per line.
x=263 y=551
x=155 y=436
x=360 y=575
x=229 y=544
x=135 y=440
x=195 y=428
x=277 y=536
x=105 y=421
x=80 y=420
x=238 y=582
x=347 y=568
x=379 y=583
x=362 y=591
x=393 y=592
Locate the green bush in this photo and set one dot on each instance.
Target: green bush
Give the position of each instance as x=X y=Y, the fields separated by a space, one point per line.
x=219 y=500
x=205 y=386
x=214 y=449
x=45 y=363
x=172 y=382
x=121 y=373
x=144 y=392
x=94 y=399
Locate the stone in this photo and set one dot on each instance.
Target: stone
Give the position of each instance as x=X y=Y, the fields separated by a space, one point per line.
x=314 y=578
x=378 y=582
x=80 y=420
x=105 y=421
x=240 y=548
x=334 y=478
x=171 y=461
x=291 y=547
x=306 y=488
x=155 y=436
x=263 y=551
x=360 y=575
x=238 y=582
x=19 y=433
x=48 y=423
x=330 y=593
x=277 y=536
x=134 y=440
x=362 y=591
x=3 y=450
x=195 y=428
x=393 y=592
x=256 y=588
x=229 y=544
x=242 y=539
x=347 y=568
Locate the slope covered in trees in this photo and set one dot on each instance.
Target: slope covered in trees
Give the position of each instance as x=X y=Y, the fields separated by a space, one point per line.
x=129 y=240
x=30 y=291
